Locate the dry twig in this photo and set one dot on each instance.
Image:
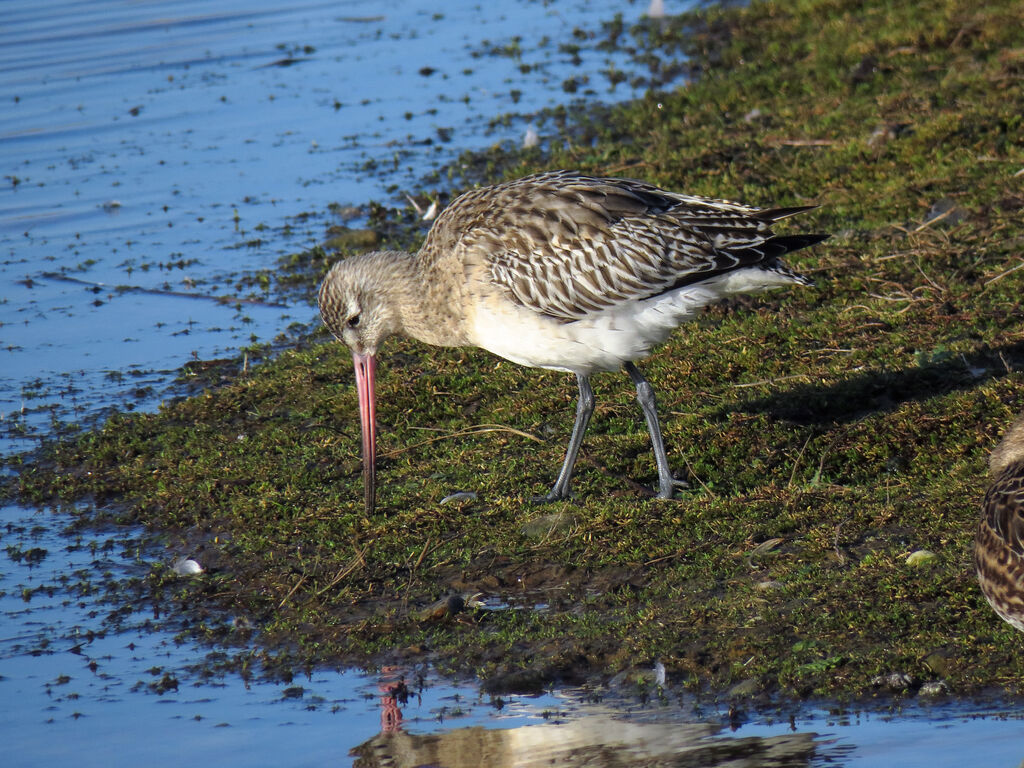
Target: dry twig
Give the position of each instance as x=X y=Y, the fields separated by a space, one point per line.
x=477 y=430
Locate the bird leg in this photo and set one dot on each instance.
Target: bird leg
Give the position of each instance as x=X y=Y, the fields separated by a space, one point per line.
x=584 y=410
x=645 y=396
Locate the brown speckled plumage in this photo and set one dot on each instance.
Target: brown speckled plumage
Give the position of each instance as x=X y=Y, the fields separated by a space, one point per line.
x=562 y=271
x=567 y=245
x=999 y=544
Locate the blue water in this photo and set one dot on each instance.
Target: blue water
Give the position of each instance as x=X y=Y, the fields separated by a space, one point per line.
x=166 y=146
x=77 y=675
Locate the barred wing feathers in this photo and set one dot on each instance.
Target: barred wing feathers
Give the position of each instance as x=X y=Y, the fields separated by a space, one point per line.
x=567 y=245
x=1003 y=510
x=999 y=546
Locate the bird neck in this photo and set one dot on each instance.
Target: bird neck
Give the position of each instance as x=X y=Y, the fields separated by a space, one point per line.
x=1011 y=449
x=426 y=302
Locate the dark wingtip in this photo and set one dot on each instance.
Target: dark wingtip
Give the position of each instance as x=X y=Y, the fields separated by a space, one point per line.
x=790 y=243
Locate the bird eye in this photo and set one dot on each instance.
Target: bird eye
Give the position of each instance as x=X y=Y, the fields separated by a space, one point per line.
x=353 y=321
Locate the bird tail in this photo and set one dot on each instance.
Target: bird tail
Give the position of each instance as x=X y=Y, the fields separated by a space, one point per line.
x=781 y=244
x=774 y=214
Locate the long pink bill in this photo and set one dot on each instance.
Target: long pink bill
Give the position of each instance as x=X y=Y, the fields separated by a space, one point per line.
x=366 y=367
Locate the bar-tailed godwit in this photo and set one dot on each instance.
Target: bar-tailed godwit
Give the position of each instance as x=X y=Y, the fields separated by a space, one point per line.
x=557 y=270
x=999 y=544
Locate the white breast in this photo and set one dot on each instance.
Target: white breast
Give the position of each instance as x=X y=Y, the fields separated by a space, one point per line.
x=605 y=340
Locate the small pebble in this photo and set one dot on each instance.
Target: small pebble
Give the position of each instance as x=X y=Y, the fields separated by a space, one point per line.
x=186 y=567
x=656 y=9
x=659 y=673
x=946 y=209
x=894 y=681
x=920 y=557
x=766 y=547
x=748 y=687
x=442 y=609
x=933 y=688
x=460 y=496
x=547 y=525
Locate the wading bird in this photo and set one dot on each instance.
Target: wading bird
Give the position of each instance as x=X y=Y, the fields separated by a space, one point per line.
x=557 y=270
x=999 y=544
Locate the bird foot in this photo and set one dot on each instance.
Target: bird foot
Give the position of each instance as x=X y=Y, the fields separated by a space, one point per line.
x=552 y=495
x=668 y=491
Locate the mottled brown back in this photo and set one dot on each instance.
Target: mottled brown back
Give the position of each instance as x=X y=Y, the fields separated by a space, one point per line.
x=567 y=245
x=999 y=545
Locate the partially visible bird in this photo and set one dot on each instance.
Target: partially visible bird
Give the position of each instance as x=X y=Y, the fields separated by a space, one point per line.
x=557 y=270
x=999 y=543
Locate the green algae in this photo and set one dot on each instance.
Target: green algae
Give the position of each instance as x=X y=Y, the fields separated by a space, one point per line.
x=828 y=432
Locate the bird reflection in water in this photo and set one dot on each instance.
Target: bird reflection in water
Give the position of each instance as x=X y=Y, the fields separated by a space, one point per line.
x=594 y=737
x=392 y=686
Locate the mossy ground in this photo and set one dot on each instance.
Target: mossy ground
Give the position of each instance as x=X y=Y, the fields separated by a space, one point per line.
x=828 y=432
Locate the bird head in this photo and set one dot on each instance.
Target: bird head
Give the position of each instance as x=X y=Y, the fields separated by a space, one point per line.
x=354 y=301
x=354 y=305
